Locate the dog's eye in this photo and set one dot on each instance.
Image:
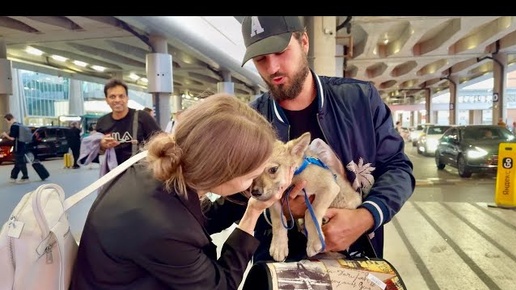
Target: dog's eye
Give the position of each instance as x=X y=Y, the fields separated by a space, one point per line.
x=272 y=170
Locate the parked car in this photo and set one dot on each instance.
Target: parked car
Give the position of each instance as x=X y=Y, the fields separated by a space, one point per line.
x=6 y=150
x=416 y=132
x=49 y=141
x=471 y=148
x=405 y=133
x=427 y=141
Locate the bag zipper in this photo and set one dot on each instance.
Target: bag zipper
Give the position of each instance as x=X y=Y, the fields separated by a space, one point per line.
x=13 y=219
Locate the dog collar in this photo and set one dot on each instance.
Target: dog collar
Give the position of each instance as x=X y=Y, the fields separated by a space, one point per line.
x=310 y=160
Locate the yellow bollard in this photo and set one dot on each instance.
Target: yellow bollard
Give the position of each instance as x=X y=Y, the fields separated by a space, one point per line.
x=506 y=176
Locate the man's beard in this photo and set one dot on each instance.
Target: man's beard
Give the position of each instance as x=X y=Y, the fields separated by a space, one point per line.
x=283 y=92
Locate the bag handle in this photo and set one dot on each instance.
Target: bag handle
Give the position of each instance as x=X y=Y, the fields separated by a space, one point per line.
x=134 y=147
x=72 y=200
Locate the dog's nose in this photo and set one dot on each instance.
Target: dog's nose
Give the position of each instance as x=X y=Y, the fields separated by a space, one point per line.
x=256 y=192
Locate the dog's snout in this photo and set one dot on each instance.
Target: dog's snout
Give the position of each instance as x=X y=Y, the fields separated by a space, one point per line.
x=256 y=192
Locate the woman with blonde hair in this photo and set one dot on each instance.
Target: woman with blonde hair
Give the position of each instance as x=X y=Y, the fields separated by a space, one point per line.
x=149 y=229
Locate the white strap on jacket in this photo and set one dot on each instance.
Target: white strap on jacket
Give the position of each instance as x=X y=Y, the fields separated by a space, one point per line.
x=72 y=200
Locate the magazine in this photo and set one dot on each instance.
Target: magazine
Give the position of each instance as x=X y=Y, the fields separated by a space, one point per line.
x=325 y=273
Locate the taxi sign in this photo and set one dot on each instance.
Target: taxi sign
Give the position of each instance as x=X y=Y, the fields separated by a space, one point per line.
x=506 y=175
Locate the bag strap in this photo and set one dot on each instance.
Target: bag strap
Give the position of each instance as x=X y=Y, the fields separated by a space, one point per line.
x=135 y=133
x=72 y=200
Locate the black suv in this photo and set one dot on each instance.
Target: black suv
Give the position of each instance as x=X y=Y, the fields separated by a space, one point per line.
x=49 y=141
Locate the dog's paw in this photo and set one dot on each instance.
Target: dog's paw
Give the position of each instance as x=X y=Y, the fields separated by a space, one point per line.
x=313 y=246
x=279 y=249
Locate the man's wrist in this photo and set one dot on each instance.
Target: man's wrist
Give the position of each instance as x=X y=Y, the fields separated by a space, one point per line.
x=366 y=219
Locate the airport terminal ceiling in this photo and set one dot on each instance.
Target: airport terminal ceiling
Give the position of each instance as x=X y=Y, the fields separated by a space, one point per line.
x=401 y=55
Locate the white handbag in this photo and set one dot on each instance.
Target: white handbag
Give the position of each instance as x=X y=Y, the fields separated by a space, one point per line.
x=37 y=248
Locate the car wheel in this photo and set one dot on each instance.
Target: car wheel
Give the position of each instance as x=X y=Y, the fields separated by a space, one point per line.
x=438 y=163
x=463 y=167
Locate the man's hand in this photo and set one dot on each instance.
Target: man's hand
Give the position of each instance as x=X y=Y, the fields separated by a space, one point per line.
x=296 y=202
x=345 y=226
x=108 y=142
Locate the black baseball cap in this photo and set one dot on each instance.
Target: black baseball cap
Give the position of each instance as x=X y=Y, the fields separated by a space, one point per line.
x=268 y=34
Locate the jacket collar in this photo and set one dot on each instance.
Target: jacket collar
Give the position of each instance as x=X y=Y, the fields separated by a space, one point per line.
x=278 y=111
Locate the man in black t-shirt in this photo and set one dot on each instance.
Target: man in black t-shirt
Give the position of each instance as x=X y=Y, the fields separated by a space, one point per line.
x=117 y=126
x=19 y=150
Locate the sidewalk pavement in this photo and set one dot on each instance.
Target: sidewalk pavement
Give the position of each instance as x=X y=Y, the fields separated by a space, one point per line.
x=71 y=180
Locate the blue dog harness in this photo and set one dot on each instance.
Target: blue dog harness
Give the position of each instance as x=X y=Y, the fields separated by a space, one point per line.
x=306 y=161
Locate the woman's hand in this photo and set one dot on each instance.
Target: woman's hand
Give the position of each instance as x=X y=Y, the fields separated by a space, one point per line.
x=261 y=205
x=255 y=207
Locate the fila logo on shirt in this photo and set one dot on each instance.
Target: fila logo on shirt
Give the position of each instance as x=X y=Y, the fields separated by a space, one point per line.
x=125 y=138
x=256 y=26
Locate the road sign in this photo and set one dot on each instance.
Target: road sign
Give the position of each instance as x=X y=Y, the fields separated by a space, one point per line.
x=506 y=176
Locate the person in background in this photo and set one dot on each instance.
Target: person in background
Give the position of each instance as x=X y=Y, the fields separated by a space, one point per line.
x=117 y=126
x=172 y=123
x=73 y=138
x=20 y=149
x=151 y=227
x=398 y=127
x=347 y=114
x=149 y=111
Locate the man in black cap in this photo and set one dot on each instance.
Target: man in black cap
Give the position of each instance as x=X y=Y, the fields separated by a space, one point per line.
x=349 y=115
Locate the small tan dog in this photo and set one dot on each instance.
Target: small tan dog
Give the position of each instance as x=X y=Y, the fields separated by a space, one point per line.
x=330 y=190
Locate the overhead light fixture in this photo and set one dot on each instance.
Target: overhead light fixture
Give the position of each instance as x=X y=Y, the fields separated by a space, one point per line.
x=80 y=63
x=98 y=68
x=134 y=76
x=33 y=50
x=58 y=57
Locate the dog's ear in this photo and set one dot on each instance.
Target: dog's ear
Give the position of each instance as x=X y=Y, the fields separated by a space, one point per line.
x=299 y=146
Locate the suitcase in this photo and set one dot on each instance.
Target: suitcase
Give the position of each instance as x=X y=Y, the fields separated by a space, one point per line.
x=40 y=170
x=68 y=160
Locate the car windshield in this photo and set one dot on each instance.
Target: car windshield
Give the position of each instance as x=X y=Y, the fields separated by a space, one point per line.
x=488 y=133
x=437 y=130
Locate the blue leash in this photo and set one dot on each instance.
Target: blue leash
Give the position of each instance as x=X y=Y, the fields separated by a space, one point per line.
x=312 y=214
x=285 y=198
x=307 y=160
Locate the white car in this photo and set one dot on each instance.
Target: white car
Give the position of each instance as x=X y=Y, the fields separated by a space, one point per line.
x=416 y=132
x=429 y=139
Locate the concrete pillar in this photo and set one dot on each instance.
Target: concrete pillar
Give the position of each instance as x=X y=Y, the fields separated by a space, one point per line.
x=227 y=86
x=499 y=87
x=177 y=104
x=322 y=54
x=475 y=117
x=428 y=104
x=160 y=73
x=454 y=81
x=339 y=61
x=76 y=101
x=434 y=116
x=6 y=85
